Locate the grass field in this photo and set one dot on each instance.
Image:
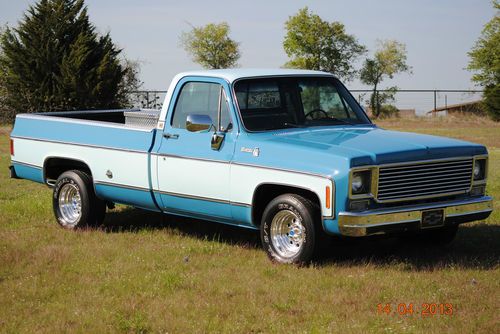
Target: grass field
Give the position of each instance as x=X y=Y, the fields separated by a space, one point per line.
x=146 y=272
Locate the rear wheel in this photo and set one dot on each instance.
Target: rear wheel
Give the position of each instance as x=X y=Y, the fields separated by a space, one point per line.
x=74 y=202
x=288 y=229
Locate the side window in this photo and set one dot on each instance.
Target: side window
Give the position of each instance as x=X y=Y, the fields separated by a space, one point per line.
x=201 y=98
x=225 y=118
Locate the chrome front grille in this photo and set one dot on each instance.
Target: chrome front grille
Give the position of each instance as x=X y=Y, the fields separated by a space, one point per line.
x=424 y=180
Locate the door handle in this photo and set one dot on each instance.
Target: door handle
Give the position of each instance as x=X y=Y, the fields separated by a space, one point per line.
x=170 y=136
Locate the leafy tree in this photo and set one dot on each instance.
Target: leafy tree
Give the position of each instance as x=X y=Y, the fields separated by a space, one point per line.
x=55 y=60
x=315 y=44
x=210 y=46
x=485 y=61
x=389 y=59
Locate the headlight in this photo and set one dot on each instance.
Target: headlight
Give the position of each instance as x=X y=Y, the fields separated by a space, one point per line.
x=479 y=169
x=360 y=182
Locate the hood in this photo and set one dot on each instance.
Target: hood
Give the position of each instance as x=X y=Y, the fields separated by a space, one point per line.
x=372 y=145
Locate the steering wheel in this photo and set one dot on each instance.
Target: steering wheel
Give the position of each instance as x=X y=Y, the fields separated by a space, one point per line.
x=316 y=111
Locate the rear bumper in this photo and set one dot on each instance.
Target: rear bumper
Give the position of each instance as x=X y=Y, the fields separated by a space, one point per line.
x=408 y=218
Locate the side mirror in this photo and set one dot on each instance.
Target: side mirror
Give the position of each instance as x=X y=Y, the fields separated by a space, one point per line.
x=197 y=123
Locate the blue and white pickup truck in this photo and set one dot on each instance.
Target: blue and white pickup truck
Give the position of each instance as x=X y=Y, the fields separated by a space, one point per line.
x=288 y=152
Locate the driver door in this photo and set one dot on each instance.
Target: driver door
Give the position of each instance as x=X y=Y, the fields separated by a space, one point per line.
x=194 y=160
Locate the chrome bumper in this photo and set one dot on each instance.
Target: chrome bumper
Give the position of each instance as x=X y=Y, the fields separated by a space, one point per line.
x=408 y=218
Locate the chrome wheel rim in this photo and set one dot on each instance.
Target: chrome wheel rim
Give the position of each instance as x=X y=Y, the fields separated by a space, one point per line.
x=287 y=233
x=70 y=204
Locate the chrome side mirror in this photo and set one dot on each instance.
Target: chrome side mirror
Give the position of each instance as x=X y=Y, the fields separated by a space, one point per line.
x=198 y=123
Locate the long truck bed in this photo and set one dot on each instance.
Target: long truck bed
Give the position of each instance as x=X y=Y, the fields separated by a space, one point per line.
x=101 y=139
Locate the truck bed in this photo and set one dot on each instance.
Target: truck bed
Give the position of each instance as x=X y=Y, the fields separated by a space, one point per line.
x=99 y=139
x=141 y=118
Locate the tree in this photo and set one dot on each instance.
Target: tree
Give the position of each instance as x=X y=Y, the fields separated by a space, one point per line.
x=315 y=44
x=210 y=46
x=485 y=61
x=389 y=60
x=55 y=60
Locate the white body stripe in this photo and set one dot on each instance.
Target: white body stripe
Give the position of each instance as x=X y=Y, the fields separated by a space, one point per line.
x=128 y=168
x=208 y=179
x=194 y=177
x=232 y=182
x=245 y=179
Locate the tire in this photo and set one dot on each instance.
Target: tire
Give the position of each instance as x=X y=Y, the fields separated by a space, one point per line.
x=74 y=202
x=289 y=229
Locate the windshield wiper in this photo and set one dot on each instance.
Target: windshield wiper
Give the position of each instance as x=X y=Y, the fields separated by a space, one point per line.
x=340 y=120
x=293 y=125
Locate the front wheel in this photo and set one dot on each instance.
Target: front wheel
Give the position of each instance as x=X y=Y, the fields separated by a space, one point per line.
x=288 y=229
x=74 y=201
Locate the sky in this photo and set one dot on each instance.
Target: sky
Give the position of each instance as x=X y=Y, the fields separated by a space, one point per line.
x=437 y=33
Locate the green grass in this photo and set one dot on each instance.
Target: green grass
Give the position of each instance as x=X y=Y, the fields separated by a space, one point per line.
x=147 y=272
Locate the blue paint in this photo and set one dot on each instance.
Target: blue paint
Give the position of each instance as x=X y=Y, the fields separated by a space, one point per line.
x=242 y=214
x=331 y=226
x=28 y=172
x=196 y=206
x=138 y=198
x=87 y=134
x=203 y=209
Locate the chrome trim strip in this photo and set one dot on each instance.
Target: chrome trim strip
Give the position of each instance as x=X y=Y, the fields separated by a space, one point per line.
x=166 y=155
x=356 y=223
x=201 y=198
x=241 y=204
x=25 y=164
x=52 y=117
x=170 y=193
x=418 y=162
x=282 y=170
x=241 y=164
x=78 y=144
x=119 y=185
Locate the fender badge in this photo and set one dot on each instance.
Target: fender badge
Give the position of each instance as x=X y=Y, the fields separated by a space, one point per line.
x=255 y=151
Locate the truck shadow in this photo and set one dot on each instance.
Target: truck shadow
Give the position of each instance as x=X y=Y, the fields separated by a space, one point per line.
x=134 y=220
x=476 y=246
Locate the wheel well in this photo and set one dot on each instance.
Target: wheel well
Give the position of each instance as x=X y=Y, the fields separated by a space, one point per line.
x=267 y=192
x=53 y=167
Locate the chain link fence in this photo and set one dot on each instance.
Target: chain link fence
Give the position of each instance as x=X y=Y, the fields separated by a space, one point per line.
x=423 y=102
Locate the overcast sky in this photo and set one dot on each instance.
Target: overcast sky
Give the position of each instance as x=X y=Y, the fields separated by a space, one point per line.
x=438 y=34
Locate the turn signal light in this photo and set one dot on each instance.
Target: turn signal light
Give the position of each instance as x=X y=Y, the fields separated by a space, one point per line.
x=11 y=146
x=328 y=197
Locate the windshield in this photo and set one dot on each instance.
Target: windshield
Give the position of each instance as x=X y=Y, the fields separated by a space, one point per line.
x=278 y=103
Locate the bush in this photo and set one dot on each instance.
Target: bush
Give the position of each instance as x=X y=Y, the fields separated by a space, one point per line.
x=491 y=102
x=55 y=60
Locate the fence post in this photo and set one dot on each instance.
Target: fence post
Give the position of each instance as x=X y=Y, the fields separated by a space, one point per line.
x=435 y=102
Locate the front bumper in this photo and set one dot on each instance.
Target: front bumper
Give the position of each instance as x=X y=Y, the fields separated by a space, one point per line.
x=408 y=218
